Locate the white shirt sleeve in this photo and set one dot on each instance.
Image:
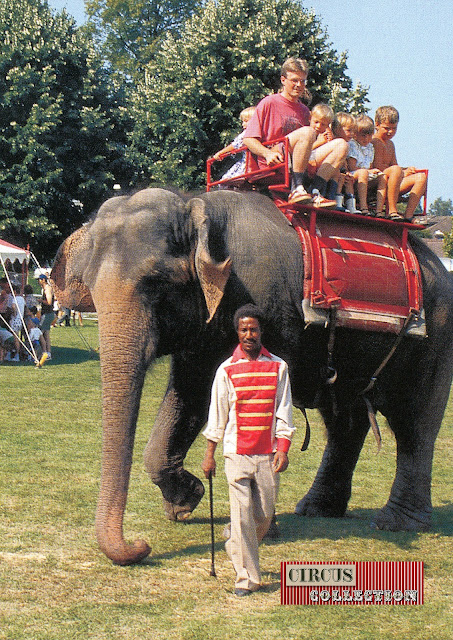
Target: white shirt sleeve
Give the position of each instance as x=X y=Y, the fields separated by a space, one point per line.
x=219 y=407
x=284 y=427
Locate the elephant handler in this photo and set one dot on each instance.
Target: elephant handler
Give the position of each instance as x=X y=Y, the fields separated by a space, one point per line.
x=251 y=411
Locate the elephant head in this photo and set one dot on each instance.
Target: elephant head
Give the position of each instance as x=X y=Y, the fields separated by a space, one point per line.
x=144 y=263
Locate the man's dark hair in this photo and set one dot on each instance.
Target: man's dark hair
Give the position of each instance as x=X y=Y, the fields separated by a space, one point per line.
x=248 y=311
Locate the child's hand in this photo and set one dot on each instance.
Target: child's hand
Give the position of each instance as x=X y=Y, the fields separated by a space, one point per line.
x=327 y=136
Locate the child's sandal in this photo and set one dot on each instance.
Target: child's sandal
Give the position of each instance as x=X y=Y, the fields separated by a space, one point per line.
x=396 y=217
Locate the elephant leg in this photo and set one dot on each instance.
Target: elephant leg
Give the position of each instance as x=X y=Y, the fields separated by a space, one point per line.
x=181 y=416
x=331 y=489
x=415 y=417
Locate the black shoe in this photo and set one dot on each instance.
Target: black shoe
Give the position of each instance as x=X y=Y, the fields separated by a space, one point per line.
x=242 y=592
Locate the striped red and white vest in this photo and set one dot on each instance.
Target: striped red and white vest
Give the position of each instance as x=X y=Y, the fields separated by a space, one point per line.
x=255 y=384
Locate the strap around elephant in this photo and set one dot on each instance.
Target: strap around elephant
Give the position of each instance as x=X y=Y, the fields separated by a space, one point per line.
x=399 y=337
x=306 y=441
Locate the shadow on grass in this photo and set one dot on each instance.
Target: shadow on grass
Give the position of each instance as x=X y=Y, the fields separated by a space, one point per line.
x=69 y=355
x=357 y=524
x=293 y=528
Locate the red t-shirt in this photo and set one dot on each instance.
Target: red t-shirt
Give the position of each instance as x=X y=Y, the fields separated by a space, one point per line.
x=275 y=117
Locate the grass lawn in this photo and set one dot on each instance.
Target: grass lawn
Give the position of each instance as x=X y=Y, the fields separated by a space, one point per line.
x=55 y=584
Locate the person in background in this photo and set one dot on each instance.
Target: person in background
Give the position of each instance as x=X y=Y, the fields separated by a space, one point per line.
x=47 y=312
x=17 y=304
x=36 y=337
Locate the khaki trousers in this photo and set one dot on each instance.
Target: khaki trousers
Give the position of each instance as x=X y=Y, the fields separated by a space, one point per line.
x=253 y=488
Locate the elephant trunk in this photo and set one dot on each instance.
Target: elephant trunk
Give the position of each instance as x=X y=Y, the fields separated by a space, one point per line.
x=125 y=354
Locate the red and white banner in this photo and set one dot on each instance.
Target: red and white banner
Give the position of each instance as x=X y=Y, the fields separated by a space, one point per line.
x=356 y=583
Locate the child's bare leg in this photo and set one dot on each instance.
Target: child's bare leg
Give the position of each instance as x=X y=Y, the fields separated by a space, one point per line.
x=330 y=157
x=394 y=177
x=300 y=144
x=381 y=193
x=361 y=176
x=416 y=183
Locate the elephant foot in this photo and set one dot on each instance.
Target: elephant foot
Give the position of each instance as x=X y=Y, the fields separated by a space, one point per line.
x=314 y=507
x=176 y=512
x=394 y=518
x=179 y=505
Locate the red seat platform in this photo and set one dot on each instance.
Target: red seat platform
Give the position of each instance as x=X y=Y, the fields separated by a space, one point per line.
x=367 y=272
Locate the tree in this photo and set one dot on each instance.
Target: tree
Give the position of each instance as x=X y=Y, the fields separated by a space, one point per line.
x=130 y=31
x=441 y=207
x=227 y=57
x=62 y=131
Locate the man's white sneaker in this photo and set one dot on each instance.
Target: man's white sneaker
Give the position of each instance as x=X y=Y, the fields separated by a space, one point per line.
x=300 y=196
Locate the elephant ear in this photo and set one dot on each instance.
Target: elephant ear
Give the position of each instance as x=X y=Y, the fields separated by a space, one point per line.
x=212 y=275
x=68 y=286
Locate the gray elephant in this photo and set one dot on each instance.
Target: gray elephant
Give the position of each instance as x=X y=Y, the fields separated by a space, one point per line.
x=166 y=276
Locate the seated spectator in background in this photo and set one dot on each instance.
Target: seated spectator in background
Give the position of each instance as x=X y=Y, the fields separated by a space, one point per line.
x=17 y=304
x=360 y=160
x=29 y=297
x=5 y=310
x=239 y=167
x=6 y=343
x=283 y=115
x=344 y=126
x=399 y=180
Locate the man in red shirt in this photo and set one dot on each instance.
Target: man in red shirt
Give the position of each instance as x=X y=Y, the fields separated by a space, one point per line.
x=283 y=114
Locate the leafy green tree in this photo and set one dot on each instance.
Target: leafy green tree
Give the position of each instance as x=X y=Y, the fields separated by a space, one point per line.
x=130 y=31
x=441 y=207
x=227 y=57
x=448 y=245
x=62 y=130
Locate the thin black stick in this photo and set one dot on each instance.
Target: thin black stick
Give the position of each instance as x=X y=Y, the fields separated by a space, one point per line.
x=211 y=509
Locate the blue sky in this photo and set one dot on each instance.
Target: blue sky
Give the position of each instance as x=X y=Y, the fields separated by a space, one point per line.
x=402 y=50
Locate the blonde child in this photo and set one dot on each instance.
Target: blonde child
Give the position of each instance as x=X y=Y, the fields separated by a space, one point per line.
x=327 y=151
x=344 y=126
x=360 y=160
x=399 y=180
x=239 y=167
x=36 y=336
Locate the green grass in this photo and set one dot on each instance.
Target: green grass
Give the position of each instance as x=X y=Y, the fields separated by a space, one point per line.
x=55 y=583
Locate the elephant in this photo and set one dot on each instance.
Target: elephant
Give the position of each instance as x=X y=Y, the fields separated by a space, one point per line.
x=166 y=273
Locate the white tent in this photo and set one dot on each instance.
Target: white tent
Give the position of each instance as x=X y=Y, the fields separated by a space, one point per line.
x=10 y=252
